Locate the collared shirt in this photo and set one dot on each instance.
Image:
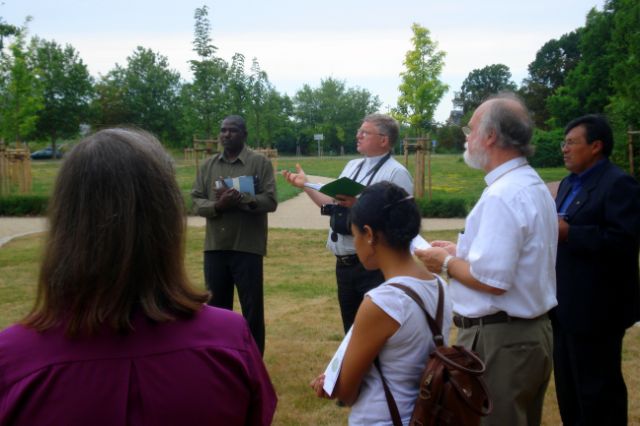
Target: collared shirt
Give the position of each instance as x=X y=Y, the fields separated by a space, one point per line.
x=391 y=171
x=510 y=241
x=242 y=228
x=576 y=182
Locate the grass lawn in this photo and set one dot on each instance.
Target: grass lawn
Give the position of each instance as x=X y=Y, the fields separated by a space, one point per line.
x=450 y=177
x=303 y=321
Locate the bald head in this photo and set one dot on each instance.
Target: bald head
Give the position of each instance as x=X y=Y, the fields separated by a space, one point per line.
x=507 y=116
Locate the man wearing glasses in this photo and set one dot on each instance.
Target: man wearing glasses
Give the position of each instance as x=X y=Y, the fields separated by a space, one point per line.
x=376 y=137
x=597 y=274
x=502 y=269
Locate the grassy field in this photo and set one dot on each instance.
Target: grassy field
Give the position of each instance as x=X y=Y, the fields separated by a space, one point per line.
x=303 y=322
x=450 y=177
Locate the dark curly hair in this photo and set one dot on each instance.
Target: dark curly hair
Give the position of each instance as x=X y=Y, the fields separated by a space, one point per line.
x=388 y=209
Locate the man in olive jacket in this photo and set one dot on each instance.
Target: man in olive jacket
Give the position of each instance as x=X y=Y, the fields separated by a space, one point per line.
x=236 y=235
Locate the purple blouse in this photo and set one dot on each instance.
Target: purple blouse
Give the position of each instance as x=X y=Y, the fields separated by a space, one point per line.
x=206 y=370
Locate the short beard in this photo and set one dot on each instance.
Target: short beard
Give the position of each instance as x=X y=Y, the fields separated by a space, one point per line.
x=479 y=160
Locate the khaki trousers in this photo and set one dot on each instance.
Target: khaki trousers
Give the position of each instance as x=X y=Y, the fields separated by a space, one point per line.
x=518 y=357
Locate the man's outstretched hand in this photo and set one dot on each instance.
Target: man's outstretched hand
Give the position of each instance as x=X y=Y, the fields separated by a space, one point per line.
x=297 y=179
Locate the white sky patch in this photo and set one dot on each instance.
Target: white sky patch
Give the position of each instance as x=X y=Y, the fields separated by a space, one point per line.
x=299 y=42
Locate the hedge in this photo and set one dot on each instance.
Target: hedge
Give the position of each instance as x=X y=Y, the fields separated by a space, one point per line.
x=23 y=205
x=450 y=207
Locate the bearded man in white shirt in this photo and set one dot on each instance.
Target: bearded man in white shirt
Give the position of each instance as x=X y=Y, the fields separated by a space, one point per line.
x=502 y=270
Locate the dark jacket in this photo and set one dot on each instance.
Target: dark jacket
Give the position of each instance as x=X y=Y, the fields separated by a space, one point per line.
x=598 y=283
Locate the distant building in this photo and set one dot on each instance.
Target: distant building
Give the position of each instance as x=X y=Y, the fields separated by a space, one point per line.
x=454 y=117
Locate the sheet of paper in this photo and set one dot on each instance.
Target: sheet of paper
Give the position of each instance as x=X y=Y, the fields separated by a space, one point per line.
x=315 y=186
x=332 y=371
x=419 y=243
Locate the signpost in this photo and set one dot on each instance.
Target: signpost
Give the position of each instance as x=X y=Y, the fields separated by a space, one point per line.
x=319 y=137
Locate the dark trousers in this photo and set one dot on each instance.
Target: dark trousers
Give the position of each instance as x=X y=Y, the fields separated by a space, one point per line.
x=223 y=269
x=353 y=282
x=588 y=375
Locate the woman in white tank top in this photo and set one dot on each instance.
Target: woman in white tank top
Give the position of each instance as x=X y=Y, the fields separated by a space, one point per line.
x=389 y=325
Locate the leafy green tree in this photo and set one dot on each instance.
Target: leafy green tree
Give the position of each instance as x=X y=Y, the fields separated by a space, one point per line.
x=151 y=93
x=109 y=107
x=449 y=138
x=587 y=87
x=258 y=88
x=237 y=86
x=6 y=30
x=332 y=110
x=67 y=89
x=482 y=83
x=205 y=100
x=625 y=68
x=20 y=92
x=421 y=88
x=555 y=59
x=279 y=129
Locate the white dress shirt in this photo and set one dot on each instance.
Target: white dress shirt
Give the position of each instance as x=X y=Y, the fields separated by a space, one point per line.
x=510 y=241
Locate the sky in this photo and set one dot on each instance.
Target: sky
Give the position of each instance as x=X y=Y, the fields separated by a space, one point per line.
x=300 y=42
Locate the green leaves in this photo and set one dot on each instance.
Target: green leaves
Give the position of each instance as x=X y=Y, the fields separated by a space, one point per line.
x=420 y=89
x=482 y=83
x=333 y=110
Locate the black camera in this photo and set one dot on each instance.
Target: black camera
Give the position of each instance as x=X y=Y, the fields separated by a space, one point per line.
x=339 y=219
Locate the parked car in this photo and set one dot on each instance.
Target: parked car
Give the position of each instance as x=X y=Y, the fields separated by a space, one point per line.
x=47 y=153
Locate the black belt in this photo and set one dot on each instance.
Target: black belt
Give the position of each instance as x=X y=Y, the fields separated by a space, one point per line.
x=347 y=260
x=498 y=317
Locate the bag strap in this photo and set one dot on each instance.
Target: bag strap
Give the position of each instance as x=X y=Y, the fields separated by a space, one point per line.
x=434 y=325
x=391 y=402
x=373 y=170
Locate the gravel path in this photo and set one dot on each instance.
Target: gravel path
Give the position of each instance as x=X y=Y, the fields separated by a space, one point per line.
x=298 y=212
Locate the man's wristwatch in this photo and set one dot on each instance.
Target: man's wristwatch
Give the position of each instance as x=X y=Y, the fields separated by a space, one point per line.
x=445 y=265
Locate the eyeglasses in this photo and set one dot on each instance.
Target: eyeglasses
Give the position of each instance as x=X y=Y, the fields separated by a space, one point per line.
x=366 y=133
x=466 y=130
x=565 y=144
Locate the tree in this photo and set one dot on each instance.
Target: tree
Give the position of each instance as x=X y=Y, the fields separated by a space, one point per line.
x=554 y=60
x=20 y=92
x=6 y=30
x=482 y=83
x=204 y=100
x=279 y=129
x=625 y=71
x=151 y=93
x=109 y=106
x=332 y=110
x=259 y=88
x=587 y=87
x=67 y=89
x=237 y=86
x=421 y=89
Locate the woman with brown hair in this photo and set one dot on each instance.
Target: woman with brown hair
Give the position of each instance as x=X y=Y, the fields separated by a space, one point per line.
x=117 y=334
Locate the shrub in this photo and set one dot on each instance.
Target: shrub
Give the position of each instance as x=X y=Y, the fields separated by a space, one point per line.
x=23 y=205
x=451 y=207
x=547 y=145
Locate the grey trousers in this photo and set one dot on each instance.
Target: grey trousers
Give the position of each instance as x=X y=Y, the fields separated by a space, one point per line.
x=519 y=359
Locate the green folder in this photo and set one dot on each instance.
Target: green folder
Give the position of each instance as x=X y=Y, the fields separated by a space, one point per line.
x=342 y=186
